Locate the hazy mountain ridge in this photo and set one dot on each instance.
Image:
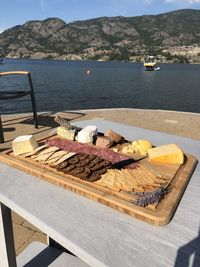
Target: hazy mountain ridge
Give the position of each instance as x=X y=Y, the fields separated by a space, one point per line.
x=173 y=36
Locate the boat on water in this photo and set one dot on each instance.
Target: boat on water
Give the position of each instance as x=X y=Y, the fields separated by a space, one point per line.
x=150 y=64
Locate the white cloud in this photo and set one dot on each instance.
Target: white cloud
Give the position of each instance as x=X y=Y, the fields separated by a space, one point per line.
x=193 y=1
x=182 y=1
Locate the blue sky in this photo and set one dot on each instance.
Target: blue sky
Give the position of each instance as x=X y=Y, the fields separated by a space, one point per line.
x=17 y=12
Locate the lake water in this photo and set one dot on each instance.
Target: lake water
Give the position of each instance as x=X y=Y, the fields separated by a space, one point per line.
x=64 y=85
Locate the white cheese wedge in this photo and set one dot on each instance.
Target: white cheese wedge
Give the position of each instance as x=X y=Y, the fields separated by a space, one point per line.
x=24 y=144
x=65 y=133
x=86 y=135
x=166 y=154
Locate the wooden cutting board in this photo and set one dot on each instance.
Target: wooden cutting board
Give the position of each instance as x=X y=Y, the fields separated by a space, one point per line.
x=159 y=214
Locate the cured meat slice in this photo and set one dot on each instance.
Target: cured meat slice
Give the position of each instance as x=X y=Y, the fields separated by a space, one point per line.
x=77 y=147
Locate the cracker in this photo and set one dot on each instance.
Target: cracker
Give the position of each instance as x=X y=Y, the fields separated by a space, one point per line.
x=35 y=151
x=44 y=152
x=139 y=179
x=63 y=158
x=55 y=156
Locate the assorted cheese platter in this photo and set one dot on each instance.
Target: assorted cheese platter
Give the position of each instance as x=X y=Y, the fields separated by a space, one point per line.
x=133 y=177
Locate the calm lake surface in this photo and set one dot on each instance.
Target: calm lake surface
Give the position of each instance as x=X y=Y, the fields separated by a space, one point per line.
x=64 y=85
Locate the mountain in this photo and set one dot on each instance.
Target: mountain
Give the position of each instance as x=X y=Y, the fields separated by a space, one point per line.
x=172 y=37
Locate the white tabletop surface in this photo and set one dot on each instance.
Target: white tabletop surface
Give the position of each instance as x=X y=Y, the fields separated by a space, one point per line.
x=102 y=236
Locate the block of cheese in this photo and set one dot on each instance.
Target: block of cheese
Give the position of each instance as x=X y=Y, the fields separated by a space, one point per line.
x=170 y=153
x=141 y=146
x=66 y=133
x=128 y=148
x=24 y=144
x=87 y=134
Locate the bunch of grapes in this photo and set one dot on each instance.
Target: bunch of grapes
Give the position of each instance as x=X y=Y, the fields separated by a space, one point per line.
x=146 y=198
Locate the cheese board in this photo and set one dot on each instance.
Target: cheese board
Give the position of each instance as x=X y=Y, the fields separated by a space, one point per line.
x=176 y=176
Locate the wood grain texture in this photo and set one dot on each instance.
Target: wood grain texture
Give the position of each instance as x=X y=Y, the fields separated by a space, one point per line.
x=160 y=214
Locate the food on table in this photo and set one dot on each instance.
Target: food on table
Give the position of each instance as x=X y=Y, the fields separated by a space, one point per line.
x=87 y=134
x=117 y=138
x=86 y=167
x=55 y=157
x=76 y=147
x=49 y=155
x=45 y=154
x=65 y=130
x=104 y=141
x=35 y=151
x=115 y=149
x=170 y=153
x=98 y=164
x=66 y=133
x=81 y=165
x=139 y=146
x=63 y=158
x=138 y=179
x=24 y=144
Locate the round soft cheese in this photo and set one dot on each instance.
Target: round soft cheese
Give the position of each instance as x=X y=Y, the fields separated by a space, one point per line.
x=86 y=135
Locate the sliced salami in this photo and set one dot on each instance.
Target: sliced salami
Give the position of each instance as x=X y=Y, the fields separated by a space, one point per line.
x=77 y=147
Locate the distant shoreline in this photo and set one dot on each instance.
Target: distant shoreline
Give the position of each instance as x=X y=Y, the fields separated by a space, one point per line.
x=90 y=60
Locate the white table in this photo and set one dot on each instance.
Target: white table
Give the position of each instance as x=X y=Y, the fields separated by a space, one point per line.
x=97 y=234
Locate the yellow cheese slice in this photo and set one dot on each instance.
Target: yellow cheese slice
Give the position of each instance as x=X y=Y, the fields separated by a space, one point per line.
x=170 y=153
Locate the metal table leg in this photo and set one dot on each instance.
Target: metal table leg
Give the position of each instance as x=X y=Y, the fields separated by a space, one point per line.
x=1 y=132
x=7 y=248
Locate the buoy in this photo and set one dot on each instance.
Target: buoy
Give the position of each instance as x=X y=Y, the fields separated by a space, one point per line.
x=88 y=72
